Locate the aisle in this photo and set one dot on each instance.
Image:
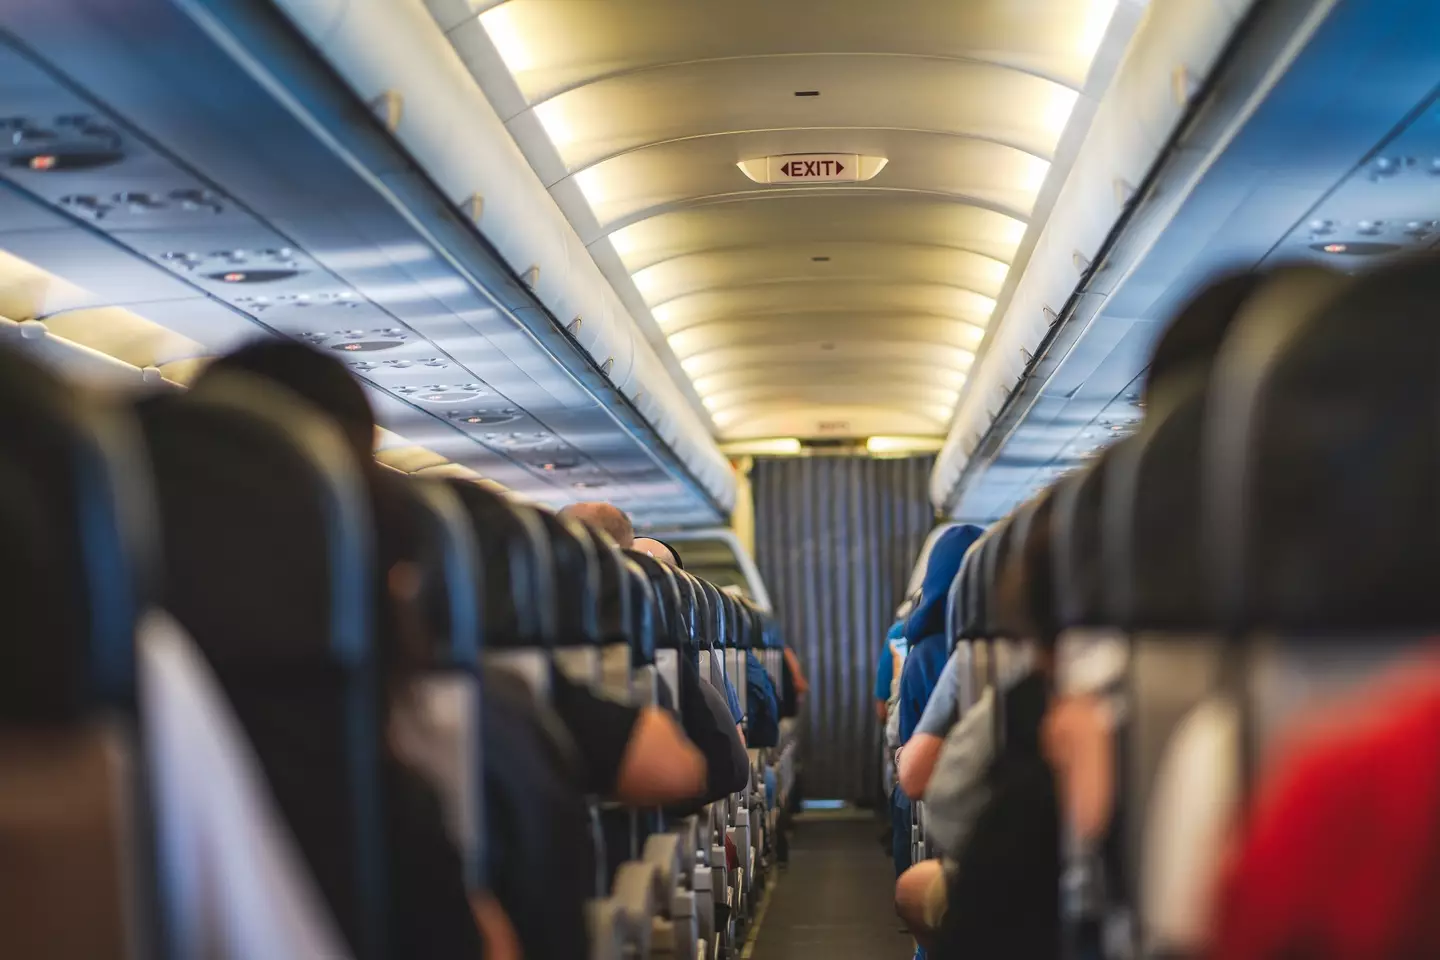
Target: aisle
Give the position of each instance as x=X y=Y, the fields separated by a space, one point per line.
x=836 y=901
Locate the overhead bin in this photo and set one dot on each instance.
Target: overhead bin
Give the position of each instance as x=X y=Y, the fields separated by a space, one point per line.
x=395 y=56
x=1175 y=48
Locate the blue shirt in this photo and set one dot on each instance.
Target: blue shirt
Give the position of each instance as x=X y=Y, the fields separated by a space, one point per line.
x=922 y=672
x=884 y=672
x=763 y=724
x=893 y=648
x=733 y=700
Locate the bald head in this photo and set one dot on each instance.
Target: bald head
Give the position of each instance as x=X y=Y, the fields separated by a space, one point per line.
x=656 y=549
x=605 y=517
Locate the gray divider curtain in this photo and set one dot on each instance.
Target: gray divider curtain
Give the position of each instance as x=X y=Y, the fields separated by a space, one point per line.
x=835 y=539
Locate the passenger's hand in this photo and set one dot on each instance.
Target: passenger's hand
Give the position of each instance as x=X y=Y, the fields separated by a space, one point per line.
x=496 y=931
x=1079 y=743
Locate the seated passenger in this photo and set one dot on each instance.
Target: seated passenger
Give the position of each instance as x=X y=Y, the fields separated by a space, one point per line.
x=605 y=517
x=708 y=722
x=887 y=670
x=1002 y=898
x=540 y=856
x=929 y=645
x=432 y=914
x=1339 y=855
x=917 y=759
x=928 y=652
x=764 y=717
x=637 y=755
x=793 y=685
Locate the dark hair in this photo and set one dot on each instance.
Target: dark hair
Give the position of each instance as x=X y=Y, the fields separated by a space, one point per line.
x=316 y=378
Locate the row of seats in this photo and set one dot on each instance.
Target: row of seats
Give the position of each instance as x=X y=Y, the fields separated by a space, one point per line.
x=1206 y=603
x=261 y=699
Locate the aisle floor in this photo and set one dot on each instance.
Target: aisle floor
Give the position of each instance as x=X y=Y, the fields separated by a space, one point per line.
x=836 y=900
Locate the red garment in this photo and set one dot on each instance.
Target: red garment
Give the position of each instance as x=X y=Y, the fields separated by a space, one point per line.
x=802 y=686
x=1342 y=855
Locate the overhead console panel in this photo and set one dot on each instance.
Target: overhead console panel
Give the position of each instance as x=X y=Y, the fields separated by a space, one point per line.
x=395 y=57
x=1314 y=139
x=1172 y=51
x=183 y=176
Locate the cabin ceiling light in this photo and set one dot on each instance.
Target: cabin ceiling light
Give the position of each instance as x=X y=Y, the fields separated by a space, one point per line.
x=504 y=32
x=903 y=445
x=775 y=446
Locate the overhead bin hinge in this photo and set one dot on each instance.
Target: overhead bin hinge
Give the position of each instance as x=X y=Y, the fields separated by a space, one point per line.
x=1081 y=262
x=607 y=366
x=389 y=107
x=573 y=327
x=1124 y=190
x=531 y=277
x=32 y=329
x=474 y=208
x=1051 y=317
x=1183 y=85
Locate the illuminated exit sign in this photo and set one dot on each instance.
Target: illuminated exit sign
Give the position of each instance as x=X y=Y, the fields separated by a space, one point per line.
x=813 y=168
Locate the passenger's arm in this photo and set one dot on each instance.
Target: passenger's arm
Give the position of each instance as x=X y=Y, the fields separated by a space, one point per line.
x=660 y=765
x=496 y=931
x=917 y=762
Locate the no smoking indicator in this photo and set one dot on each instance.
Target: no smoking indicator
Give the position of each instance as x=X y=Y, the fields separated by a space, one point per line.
x=812 y=168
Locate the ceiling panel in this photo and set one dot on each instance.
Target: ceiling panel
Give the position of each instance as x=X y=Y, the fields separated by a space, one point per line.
x=636 y=113
x=801 y=220
x=554 y=45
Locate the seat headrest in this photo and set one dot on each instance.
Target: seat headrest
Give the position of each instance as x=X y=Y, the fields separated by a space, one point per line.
x=719 y=612
x=517 y=582
x=577 y=580
x=447 y=561
x=261 y=498
x=1151 y=551
x=1007 y=612
x=748 y=618
x=645 y=616
x=1075 y=536
x=994 y=549
x=702 y=634
x=970 y=596
x=613 y=607
x=1022 y=609
x=267 y=519
x=672 y=615
x=77 y=555
x=1322 y=497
